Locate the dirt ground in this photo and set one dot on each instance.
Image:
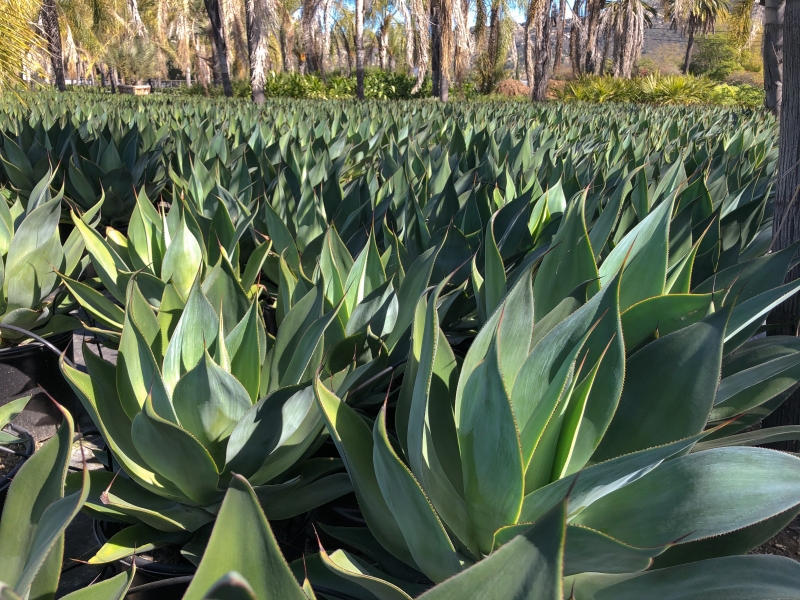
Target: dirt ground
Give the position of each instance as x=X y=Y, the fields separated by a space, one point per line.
x=786 y=543
x=9 y=461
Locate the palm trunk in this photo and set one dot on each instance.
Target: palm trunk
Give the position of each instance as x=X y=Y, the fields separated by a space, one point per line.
x=135 y=18
x=493 y=49
x=527 y=49
x=420 y=12
x=786 y=220
x=541 y=55
x=436 y=49
x=576 y=42
x=286 y=53
x=608 y=48
x=562 y=7
x=257 y=48
x=360 y=49
x=773 y=54
x=202 y=76
x=689 y=47
x=307 y=22
x=408 y=28
x=383 y=44
x=462 y=40
x=593 y=26
x=52 y=33
x=214 y=10
x=325 y=50
x=235 y=32
x=348 y=52
x=216 y=78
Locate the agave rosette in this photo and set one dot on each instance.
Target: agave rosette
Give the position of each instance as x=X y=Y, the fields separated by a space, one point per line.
x=614 y=388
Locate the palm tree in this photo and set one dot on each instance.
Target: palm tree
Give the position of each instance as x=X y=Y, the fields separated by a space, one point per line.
x=462 y=39
x=441 y=46
x=773 y=54
x=585 y=36
x=52 y=33
x=527 y=49
x=285 y=8
x=309 y=25
x=562 y=14
x=360 y=49
x=18 y=37
x=492 y=42
x=541 y=53
x=380 y=15
x=744 y=23
x=623 y=23
x=344 y=34
x=256 y=12
x=419 y=10
x=214 y=10
x=693 y=17
x=783 y=318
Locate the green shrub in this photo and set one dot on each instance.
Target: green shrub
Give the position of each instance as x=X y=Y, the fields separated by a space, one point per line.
x=661 y=89
x=378 y=84
x=716 y=58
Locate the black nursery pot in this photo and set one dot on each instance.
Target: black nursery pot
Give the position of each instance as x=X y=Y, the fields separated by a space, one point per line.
x=28 y=449
x=158 y=581
x=30 y=368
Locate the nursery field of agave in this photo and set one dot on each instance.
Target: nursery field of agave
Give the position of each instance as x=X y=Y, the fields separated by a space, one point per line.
x=480 y=350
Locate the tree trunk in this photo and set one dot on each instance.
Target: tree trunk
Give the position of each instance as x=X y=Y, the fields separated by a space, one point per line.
x=577 y=52
x=360 y=49
x=216 y=78
x=593 y=25
x=383 y=44
x=608 y=48
x=257 y=47
x=286 y=52
x=562 y=7
x=325 y=49
x=773 y=54
x=541 y=55
x=408 y=28
x=436 y=50
x=307 y=23
x=526 y=49
x=202 y=75
x=52 y=33
x=689 y=47
x=135 y=18
x=214 y=10
x=786 y=220
x=348 y=52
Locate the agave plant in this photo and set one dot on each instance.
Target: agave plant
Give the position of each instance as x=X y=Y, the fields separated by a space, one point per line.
x=195 y=397
x=8 y=412
x=242 y=560
x=31 y=256
x=32 y=533
x=32 y=154
x=570 y=391
x=117 y=165
x=114 y=164
x=165 y=252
